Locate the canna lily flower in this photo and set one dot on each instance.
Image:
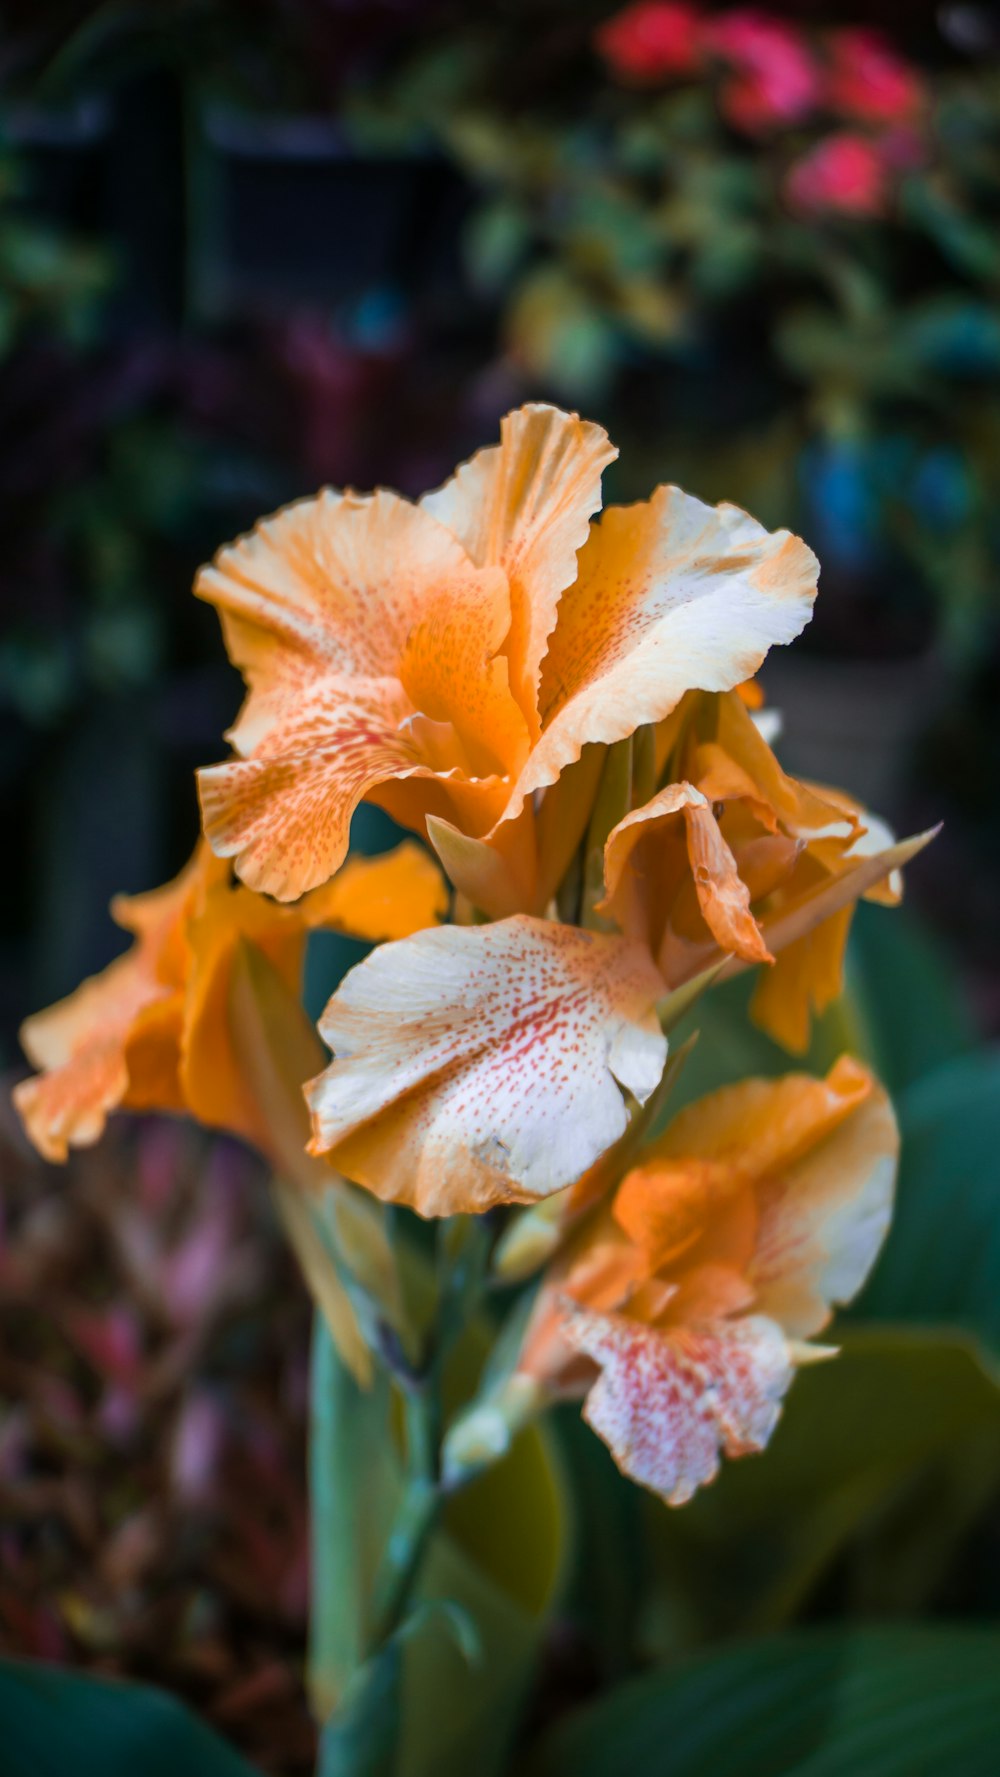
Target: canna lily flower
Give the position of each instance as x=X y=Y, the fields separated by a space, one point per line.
x=152 y=1031
x=450 y=660
x=735 y=858
x=683 y=1307
x=477 y=1065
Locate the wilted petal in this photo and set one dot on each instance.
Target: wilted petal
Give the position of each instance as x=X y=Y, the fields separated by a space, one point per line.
x=485 y=1064
x=671 y=595
x=667 y=1404
x=636 y=886
x=525 y=504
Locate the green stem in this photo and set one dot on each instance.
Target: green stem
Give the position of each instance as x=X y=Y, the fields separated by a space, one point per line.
x=415 y=1517
x=463 y=1254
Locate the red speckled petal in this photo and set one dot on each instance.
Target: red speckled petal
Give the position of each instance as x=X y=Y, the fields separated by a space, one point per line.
x=369 y=642
x=476 y=1065
x=526 y=505
x=285 y=814
x=667 y=1404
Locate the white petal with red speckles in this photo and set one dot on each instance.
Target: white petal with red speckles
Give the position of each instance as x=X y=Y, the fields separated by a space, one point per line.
x=667 y=1404
x=476 y=1065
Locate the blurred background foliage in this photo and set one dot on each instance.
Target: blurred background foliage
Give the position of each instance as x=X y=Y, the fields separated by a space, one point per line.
x=250 y=247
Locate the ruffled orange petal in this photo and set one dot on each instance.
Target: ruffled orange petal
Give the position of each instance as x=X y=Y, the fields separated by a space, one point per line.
x=667 y=1404
x=525 y=504
x=129 y=1015
x=368 y=640
x=81 y=1044
x=671 y=595
x=285 y=816
x=485 y=1064
x=381 y=898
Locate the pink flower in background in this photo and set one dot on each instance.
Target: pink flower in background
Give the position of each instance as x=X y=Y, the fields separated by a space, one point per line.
x=870 y=81
x=652 y=40
x=844 y=173
x=776 y=80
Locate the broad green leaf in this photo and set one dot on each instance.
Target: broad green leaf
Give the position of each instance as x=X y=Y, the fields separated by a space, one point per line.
x=904 y=996
x=869 y=1702
x=899 y=1413
x=941 y=1262
x=61 y=1724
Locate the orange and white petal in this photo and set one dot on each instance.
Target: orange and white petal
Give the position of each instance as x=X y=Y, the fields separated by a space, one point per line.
x=671 y=595
x=379 y=899
x=333 y=584
x=668 y=1404
x=822 y=1220
x=284 y=816
x=345 y=588
x=487 y=1064
x=81 y=1045
x=525 y=504
x=759 y=1125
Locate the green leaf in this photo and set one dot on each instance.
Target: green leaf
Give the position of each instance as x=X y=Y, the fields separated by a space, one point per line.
x=873 y=1702
x=56 y=1723
x=900 y=1414
x=941 y=1263
x=905 y=997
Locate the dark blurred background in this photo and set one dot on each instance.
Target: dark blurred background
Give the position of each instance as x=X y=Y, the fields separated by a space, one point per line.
x=247 y=248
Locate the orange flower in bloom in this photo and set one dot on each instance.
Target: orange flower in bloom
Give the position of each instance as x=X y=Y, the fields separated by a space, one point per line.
x=734 y=857
x=152 y=1031
x=683 y=1306
x=477 y=1065
x=450 y=659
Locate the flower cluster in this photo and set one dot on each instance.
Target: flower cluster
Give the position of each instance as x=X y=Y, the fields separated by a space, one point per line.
x=771 y=75
x=564 y=706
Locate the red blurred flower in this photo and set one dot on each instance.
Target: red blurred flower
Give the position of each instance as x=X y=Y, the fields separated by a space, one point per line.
x=651 y=40
x=868 y=80
x=777 y=79
x=844 y=173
